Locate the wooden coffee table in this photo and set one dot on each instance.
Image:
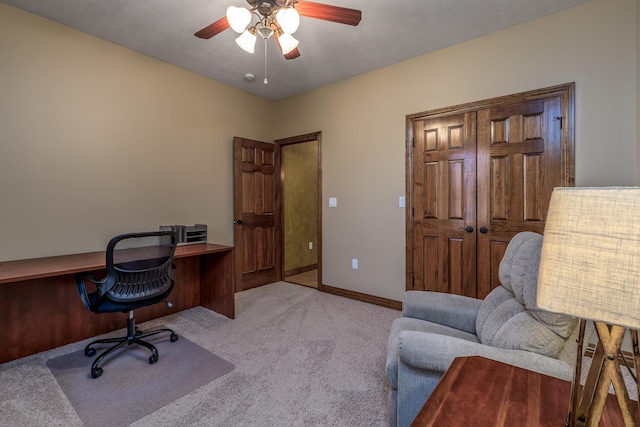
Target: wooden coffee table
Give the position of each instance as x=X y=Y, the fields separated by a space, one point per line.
x=485 y=393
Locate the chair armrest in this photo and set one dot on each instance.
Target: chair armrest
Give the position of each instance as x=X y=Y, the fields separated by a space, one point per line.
x=455 y=311
x=435 y=353
x=83 y=290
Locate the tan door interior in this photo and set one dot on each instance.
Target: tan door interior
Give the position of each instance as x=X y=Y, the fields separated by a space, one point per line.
x=301 y=183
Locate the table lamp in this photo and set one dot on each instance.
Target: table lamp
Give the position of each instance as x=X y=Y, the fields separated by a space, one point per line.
x=590 y=269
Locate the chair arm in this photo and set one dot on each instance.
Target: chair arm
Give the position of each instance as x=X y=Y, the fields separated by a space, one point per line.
x=435 y=353
x=82 y=288
x=455 y=311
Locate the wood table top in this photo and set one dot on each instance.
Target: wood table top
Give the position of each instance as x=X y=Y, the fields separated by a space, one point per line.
x=486 y=393
x=36 y=268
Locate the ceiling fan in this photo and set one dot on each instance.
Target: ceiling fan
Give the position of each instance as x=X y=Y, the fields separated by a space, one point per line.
x=279 y=18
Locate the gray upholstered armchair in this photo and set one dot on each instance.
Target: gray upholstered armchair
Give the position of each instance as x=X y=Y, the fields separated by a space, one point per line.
x=505 y=326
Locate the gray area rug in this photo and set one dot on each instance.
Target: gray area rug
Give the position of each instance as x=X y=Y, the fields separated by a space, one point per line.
x=130 y=387
x=302 y=358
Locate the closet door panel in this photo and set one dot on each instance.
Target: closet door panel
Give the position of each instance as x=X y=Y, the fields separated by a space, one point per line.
x=444 y=251
x=517 y=171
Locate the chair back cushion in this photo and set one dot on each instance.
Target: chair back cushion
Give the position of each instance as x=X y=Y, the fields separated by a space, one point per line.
x=139 y=266
x=509 y=318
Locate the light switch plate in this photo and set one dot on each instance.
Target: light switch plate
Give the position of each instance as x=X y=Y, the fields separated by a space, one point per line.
x=333 y=202
x=401 y=202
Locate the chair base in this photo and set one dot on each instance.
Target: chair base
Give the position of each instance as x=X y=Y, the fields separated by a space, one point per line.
x=134 y=336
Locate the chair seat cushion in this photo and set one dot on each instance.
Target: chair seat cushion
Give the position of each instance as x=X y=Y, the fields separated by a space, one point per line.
x=109 y=306
x=410 y=324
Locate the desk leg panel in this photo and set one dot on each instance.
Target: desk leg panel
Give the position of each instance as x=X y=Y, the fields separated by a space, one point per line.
x=41 y=314
x=217 y=283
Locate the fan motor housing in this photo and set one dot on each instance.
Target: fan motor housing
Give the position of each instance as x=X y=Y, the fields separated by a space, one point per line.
x=268 y=7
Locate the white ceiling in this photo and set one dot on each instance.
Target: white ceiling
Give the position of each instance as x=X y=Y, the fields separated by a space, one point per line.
x=390 y=31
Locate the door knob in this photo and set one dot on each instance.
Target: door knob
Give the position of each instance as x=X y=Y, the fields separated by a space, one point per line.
x=239 y=221
x=469 y=229
x=484 y=230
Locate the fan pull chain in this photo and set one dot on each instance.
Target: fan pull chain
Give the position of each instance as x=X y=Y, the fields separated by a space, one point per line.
x=265 y=61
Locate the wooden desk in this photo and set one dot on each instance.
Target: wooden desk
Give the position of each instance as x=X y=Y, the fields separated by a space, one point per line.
x=485 y=393
x=40 y=307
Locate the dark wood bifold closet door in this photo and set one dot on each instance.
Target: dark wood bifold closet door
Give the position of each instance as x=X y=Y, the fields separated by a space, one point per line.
x=479 y=174
x=257 y=229
x=445 y=203
x=519 y=156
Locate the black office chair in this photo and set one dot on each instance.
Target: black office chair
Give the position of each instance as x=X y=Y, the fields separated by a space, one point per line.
x=139 y=272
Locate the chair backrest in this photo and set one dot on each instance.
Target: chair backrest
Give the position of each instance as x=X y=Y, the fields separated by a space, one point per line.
x=139 y=266
x=509 y=317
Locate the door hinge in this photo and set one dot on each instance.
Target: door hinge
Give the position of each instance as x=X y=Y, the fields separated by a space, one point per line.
x=560 y=119
x=413 y=282
x=413 y=142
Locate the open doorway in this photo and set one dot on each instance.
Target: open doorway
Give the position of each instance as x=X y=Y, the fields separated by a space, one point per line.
x=301 y=209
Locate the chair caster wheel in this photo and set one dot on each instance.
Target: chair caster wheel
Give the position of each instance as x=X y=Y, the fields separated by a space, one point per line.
x=89 y=352
x=174 y=337
x=95 y=373
x=153 y=359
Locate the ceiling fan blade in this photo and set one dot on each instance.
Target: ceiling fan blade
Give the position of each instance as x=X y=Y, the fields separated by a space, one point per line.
x=327 y=12
x=217 y=27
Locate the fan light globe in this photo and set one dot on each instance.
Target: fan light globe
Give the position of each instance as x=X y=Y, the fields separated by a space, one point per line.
x=288 y=19
x=238 y=18
x=247 y=41
x=287 y=43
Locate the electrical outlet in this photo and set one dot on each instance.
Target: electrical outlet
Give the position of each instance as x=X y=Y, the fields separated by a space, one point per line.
x=354 y=264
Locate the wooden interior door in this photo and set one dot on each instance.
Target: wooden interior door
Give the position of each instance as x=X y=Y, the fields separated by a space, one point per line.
x=258 y=228
x=444 y=203
x=519 y=164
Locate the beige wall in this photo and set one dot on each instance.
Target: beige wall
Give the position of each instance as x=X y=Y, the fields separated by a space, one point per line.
x=363 y=124
x=87 y=129
x=96 y=140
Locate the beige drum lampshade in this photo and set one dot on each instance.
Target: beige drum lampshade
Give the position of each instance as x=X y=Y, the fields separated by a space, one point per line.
x=590 y=261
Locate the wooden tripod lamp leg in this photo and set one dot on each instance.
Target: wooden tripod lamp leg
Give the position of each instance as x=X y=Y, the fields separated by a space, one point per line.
x=636 y=361
x=575 y=384
x=589 y=389
x=604 y=371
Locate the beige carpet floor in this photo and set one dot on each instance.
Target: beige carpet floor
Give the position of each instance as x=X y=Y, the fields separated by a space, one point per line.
x=302 y=358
